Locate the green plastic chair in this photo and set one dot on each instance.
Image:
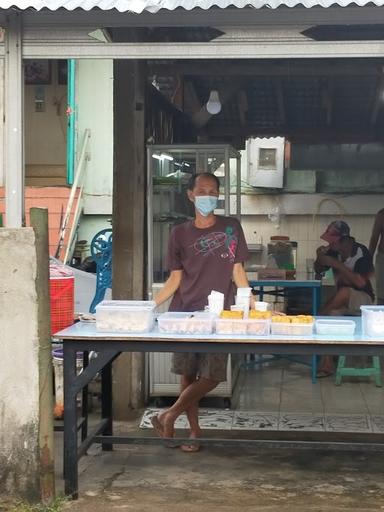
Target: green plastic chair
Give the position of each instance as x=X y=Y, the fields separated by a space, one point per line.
x=374 y=370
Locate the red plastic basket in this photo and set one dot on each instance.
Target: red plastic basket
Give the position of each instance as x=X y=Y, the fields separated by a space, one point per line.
x=62 y=291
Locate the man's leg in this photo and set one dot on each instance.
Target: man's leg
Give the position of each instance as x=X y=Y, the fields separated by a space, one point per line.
x=338 y=302
x=193 y=410
x=190 y=397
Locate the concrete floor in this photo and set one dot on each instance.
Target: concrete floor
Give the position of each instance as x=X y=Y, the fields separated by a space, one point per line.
x=282 y=386
x=146 y=478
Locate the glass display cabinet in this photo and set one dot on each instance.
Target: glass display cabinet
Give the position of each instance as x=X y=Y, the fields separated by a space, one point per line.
x=169 y=169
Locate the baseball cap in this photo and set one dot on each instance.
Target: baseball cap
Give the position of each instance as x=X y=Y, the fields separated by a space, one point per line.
x=336 y=230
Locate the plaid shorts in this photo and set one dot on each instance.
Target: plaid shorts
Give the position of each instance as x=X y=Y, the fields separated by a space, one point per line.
x=208 y=366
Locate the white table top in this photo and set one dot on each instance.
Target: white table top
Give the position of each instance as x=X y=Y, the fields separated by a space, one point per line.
x=87 y=331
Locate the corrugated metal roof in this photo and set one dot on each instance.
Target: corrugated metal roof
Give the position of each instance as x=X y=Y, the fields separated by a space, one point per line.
x=138 y=6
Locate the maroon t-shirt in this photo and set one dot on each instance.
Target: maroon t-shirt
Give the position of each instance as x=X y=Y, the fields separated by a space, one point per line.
x=206 y=257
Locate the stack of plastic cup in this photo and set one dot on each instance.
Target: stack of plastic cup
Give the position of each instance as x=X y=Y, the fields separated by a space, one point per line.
x=215 y=302
x=261 y=306
x=243 y=299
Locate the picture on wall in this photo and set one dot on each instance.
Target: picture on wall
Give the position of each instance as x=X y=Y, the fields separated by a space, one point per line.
x=37 y=72
x=62 y=72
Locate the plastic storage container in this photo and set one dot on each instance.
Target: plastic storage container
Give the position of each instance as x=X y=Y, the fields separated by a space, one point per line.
x=291 y=329
x=258 y=327
x=186 y=323
x=125 y=316
x=333 y=327
x=231 y=326
x=373 y=321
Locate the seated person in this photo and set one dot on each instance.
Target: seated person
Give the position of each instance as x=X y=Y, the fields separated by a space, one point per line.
x=352 y=266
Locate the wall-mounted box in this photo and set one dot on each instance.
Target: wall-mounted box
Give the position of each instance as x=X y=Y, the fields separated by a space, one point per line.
x=265 y=158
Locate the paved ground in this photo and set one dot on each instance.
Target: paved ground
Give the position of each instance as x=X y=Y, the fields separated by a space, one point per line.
x=147 y=478
x=155 y=478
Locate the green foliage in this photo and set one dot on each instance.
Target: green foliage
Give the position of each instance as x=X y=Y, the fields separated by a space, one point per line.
x=55 y=506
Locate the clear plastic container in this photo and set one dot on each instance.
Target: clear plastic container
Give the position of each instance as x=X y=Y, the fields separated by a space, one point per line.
x=291 y=329
x=231 y=326
x=335 y=327
x=373 y=321
x=258 y=327
x=131 y=316
x=255 y=327
x=186 y=323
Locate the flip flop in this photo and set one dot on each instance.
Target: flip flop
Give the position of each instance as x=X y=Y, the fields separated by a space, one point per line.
x=190 y=448
x=157 y=426
x=321 y=374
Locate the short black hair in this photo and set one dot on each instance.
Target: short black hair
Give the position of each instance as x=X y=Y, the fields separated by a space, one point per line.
x=193 y=178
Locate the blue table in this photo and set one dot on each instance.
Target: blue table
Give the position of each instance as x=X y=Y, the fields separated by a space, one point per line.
x=258 y=286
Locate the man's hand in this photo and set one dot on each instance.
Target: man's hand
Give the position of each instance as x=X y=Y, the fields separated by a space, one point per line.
x=321 y=250
x=327 y=261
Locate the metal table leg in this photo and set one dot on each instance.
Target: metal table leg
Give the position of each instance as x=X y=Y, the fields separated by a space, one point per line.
x=315 y=309
x=84 y=401
x=106 y=402
x=70 y=423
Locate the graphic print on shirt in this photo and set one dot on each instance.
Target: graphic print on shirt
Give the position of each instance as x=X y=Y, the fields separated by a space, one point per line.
x=223 y=244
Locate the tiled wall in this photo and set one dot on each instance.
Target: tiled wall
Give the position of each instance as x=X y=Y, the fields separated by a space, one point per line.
x=304 y=230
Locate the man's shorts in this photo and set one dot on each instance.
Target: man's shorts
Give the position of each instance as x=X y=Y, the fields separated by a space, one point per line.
x=208 y=366
x=357 y=298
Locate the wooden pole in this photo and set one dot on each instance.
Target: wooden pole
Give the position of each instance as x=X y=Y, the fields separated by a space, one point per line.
x=39 y=222
x=128 y=218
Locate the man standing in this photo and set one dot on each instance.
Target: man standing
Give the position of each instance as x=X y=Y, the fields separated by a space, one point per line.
x=203 y=255
x=377 y=242
x=352 y=267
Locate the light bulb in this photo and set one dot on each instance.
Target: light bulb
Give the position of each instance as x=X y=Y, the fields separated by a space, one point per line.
x=214 y=105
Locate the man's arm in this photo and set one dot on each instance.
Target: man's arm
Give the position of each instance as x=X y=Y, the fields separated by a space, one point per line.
x=320 y=252
x=376 y=231
x=347 y=276
x=240 y=279
x=170 y=287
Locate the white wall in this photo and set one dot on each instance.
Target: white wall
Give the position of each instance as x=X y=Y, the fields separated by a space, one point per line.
x=91 y=224
x=305 y=231
x=19 y=379
x=94 y=100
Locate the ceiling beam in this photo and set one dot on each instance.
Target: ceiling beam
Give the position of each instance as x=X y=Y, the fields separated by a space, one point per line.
x=290 y=68
x=242 y=103
x=327 y=99
x=378 y=101
x=309 y=135
x=280 y=100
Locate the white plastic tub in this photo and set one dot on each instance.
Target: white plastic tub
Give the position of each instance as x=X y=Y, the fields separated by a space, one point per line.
x=258 y=327
x=291 y=329
x=231 y=326
x=373 y=321
x=333 y=327
x=186 y=323
x=255 y=327
x=131 y=316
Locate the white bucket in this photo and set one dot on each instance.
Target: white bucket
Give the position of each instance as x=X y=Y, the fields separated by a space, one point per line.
x=58 y=369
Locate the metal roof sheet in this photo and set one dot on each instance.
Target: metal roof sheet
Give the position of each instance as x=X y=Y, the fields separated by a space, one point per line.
x=138 y=6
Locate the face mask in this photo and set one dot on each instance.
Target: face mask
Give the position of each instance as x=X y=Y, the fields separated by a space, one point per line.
x=205 y=204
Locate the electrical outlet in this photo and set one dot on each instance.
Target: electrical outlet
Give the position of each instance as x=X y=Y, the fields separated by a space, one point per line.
x=39 y=106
